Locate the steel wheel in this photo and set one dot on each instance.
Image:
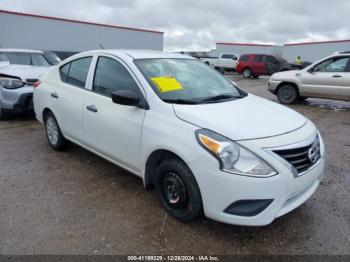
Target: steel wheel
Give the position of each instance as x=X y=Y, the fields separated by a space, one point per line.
x=174 y=191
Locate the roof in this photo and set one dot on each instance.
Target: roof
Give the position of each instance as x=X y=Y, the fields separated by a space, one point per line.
x=319 y=42
x=20 y=50
x=137 y=54
x=247 y=44
x=78 y=21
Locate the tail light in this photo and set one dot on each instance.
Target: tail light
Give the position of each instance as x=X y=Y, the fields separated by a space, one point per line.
x=36 y=84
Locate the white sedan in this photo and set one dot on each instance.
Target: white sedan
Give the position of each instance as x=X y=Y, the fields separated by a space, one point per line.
x=204 y=144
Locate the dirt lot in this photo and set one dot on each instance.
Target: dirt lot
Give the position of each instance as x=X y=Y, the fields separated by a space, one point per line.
x=77 y=203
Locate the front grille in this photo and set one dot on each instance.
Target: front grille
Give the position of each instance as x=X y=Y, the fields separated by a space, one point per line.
x=302 y=158
x=31 y=81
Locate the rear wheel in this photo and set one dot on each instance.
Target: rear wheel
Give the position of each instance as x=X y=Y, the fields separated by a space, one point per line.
x=178 y=191
x=53 y=133
x=288 y=94
x=247 y=73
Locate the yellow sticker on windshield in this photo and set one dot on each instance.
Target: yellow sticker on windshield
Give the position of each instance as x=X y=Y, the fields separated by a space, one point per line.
x=166 y=84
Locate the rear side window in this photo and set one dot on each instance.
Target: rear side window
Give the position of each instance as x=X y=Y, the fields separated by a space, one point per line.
x=270 y=59
x=110 y=76
x=244 y=58
x=258 y=58
x=75 y=72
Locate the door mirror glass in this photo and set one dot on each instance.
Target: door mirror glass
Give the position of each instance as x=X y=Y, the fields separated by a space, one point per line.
x=125 y=97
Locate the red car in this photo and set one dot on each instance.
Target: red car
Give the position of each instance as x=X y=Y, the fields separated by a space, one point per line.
x=255 y=65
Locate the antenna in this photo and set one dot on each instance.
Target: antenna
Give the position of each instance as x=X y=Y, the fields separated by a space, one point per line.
x=101 y=46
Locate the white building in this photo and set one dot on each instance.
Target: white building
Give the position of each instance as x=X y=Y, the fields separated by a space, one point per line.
x=314 y=51
x=247 y=48
x=19 y=30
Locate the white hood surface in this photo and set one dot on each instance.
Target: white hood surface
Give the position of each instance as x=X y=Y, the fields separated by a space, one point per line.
x=24 y=71
x=247 y=118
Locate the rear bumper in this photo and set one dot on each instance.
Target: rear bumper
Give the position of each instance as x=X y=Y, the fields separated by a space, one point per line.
x=16 y=100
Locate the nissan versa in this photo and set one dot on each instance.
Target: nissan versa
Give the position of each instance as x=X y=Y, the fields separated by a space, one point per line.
x=204 y=144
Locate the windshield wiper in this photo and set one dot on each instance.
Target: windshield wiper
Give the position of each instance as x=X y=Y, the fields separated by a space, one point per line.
x=181 y=101
x=219 y=97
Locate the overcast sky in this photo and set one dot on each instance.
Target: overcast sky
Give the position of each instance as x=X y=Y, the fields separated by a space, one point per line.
x=198 y=24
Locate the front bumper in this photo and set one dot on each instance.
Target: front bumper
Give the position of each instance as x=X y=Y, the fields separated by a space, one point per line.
x=220 y=189
x=272 y=85
x=17 y=100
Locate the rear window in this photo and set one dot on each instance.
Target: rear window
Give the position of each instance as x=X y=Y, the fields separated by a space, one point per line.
x=22 y=58
x=75 y=72
x=244 y=58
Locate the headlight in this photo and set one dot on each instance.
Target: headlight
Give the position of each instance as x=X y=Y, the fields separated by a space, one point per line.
x=232 y=157
x=10 y=83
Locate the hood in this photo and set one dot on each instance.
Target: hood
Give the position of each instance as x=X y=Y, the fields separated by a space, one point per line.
x=285 y=74
x=24 y=71
x=247 y=118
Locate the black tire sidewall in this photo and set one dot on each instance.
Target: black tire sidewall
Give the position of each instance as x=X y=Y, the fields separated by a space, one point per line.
x=194 y=207
x=61 y=142
x=294 y=97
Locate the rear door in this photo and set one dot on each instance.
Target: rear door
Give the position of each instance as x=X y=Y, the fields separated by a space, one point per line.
x=111 y=129
x=327 y=79
x=271 y=64
x=346 y=82
x=258 y=65
x=68 y=97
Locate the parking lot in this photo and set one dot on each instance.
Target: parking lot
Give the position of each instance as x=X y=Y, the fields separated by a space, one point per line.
x=77 y=203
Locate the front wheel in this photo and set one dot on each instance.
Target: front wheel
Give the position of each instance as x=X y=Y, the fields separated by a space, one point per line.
x=287 y=94
x=178 y=190
x=247 y=73
x=53 y=133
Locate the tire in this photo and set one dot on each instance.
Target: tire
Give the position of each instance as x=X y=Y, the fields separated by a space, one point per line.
x=178 y=191
x=247 y=73
x=3 y=115
x=288 y=94
x=53 y=133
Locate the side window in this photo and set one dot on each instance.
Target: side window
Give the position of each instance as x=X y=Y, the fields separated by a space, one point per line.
x=228 y=56
x=270 y=59
x=258 y=58
x=75 y=72
x=110 y=76
x=336 y=64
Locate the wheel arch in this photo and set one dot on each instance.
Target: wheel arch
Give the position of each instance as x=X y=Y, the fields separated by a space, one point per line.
x=152 y=163
x=288 y=83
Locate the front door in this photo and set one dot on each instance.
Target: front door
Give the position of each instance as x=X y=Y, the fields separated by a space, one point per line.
x=111 y=129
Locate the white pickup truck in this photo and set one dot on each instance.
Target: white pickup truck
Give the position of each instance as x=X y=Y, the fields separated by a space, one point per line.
x=225 y=62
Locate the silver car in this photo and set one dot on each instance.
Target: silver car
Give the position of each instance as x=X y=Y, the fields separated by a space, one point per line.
x=19 y=70
x=327 y=78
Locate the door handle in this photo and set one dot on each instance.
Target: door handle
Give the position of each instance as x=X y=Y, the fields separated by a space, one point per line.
x=336 y=76
x=92 y=108
x=54 y=95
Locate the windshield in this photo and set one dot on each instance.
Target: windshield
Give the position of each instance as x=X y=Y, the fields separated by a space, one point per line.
x=187 y=81
x=21 y=58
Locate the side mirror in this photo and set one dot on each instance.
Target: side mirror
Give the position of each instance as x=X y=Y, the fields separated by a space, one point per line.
x=127 y=98
x=235 y=59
